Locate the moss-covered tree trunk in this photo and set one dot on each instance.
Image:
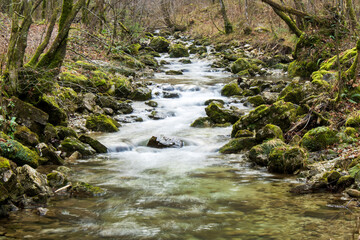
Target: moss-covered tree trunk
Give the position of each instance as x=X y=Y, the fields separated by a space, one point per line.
x=22 y=11
x=352 y=15
x=228 y=26
x=54 y=57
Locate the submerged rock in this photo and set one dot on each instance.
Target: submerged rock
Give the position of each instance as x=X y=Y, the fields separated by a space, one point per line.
x=82 y=189
x=174 y=72
x=165 y=142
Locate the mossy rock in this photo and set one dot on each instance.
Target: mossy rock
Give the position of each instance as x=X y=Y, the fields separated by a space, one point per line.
x=293 y=92
x=237 y=145
x=244 y=133
x=71 y=145
x=202 y=122
x=351 y=132
x=102 y=123
x=64 y=132
x=57 y=179
x=231 y=89
x=26 y=137
x=332 y=177
x=48 y=104
x=100 y=81
x=281 y=113
x=286 y=159
x=218 y=114
x=160 y=44
x=123 y=87
x=81 y=189
x=270 y=131
x=74 y=81
x=256 y=100
x=344 y=182
x=178 y=50
x=50 y=134
x=85 y=65
x=18 y=153
x=141 y=94
x=28 y=115
x=173 y=72
x=346 y=59
x=355 y=172
x=4 y=164
x=323 y=77
x=134 y=48
x=95 y=144
x=302 y=68
x=241 y=64
x=34 y=184
x=353 y=120
x=259 y=154
x=149 y=60
x=319 y=138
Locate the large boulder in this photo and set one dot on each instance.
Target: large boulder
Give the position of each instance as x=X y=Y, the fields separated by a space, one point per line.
x=237 y=145
x=123 y=87
x=319 y=138
x=231 y=89
x=286 y=159
x=64 y=132
x=218 y=114
x=178 y=50
x=28 y=115
x=18 y=153
x=71 y=145
x=259 y=154
x=48 y=104
x=280 y=113
x=160 y=44
x=165 y=142
x=102 y=123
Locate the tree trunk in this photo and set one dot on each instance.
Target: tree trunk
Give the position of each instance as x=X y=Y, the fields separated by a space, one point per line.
x=291 y=24
x=299 y=21
x=54 y=57
x=351 y=13
x=228 y=26
x=165 y=9
x=18 y=40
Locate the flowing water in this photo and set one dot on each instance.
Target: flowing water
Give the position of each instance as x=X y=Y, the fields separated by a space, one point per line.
x=182 y=193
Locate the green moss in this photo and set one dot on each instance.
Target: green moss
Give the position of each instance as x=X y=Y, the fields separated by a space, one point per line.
x=244 y=133
x=299 y=68
x=123 y=87
x=237 y=145
x=95 y=144
x=134 y=48
x=178 y=50
x=64 y=132
x=353 y=120
x=141 y=94
x=71 y=145
x=286 y=159
x=259 y=154
x=270 y=131
x=202 y=122
x=18 y=153
x=48 y=104
x=25 y=136
x=74 y=81
x=345 y=59
x=160 y=44
x=319 y=138
x=239 y=65
x=218 y=114
x=256 y=100
x=102 y=123
x=85 y=65
x=318 y=78
x=231 y=89
x=280 y=113
x=149 y=60
x=351 y=132
x=4 y=163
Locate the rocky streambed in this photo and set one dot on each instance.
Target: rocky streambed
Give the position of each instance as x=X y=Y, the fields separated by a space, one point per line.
x=191 y=180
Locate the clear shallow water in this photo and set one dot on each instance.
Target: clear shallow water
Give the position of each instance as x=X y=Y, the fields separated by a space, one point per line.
x=187 y=193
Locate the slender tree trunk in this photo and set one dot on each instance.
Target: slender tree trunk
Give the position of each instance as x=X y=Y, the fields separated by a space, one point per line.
x=228 y=26
x=299 y=20
x=18 y=40
x=54 y=57
x=351 y=13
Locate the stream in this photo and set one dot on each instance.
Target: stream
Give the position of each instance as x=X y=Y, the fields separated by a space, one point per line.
x=182 y=193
